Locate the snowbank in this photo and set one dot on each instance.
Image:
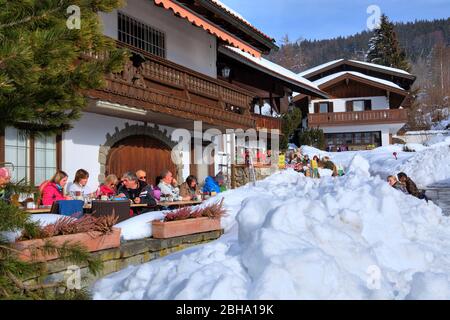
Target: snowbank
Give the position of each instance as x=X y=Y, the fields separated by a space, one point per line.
x=428 y=165
x=292 y=237
x=139 y=227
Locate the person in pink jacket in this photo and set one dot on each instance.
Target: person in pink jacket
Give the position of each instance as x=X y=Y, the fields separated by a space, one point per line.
x=53 y=190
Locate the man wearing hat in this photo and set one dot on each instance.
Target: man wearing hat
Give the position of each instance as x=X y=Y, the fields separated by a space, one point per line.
x=5 y=178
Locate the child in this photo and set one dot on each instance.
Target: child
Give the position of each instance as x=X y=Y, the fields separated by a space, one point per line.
x=315 y=167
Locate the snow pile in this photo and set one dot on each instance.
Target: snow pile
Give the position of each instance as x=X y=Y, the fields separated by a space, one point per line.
x=139 y=227
x=292 y=237
x=427 y=166
x=430 y=166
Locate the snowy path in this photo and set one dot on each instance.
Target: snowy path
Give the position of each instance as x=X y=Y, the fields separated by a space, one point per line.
x=440 y=195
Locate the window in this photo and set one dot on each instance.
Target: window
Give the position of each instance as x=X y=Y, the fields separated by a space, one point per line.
x=141 y=35
x=17 y=151
x=34 y=158
x=44 y=158
x=358 y=105
x=323 y=107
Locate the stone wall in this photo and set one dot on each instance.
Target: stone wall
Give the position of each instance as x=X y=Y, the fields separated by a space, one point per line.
x=240 y=174
x=129 y=253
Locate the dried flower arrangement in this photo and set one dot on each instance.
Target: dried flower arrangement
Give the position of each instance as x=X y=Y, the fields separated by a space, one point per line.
x=212 y=211
x=69 y=225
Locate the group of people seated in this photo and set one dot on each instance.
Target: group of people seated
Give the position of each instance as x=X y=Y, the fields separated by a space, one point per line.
x=310 y=167
x=406 y=185
x=132 y=186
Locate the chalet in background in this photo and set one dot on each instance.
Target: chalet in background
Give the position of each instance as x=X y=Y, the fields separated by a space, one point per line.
x=367 y=103
x=192 y=61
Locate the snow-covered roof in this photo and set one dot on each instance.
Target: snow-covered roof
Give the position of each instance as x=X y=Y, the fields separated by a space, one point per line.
x=319 y=67
x=278 y=70
x=333 y=76
x=354 y=62
x=240 y=17
x=379 y=66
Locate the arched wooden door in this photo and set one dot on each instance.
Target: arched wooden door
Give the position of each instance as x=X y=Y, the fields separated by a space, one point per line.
x=140 y=152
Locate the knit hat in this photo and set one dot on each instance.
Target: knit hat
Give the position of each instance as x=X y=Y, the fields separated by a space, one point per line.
x=4 y=173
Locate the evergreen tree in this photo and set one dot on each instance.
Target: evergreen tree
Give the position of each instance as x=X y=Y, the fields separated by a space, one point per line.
x=290 y=122
x=45 y=66
x=43 y=63
x=384 y=48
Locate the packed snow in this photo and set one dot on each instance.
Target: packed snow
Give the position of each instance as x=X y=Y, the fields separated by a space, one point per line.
x=292 y=237
x=428 y=165
x=333 y=76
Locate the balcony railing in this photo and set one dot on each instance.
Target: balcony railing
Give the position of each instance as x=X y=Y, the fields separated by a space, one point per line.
x=162 y=86
x=358 y=117
x=265 y=122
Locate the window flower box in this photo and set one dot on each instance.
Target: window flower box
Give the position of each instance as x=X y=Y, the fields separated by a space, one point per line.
x=31 y=250
x=171 y=229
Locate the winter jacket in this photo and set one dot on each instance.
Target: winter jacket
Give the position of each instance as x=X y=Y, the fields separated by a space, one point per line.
x=52 y=192
x=144 y=193
x=186 y=191
x=412 y=188
x=211 y=185
x=400 y=187
x=167 y=190
x=104 y=190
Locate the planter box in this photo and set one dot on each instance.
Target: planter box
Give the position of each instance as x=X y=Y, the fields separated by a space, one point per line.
x=171 y=229
x=93 y=241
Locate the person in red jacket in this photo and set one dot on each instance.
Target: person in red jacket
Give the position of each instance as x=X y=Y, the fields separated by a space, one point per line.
x=53 y=190
x=108 y=188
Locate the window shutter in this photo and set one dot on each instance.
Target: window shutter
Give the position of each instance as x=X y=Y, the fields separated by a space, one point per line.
x=349 y=106
x=330 y=106
x=367 y=105
x=316 y=107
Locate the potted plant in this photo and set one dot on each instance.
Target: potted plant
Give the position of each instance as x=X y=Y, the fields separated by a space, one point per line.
x=48 y=242
x=189 y=220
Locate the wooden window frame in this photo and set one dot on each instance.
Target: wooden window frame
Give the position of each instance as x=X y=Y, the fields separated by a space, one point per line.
x=350 y=107
x=31 y=149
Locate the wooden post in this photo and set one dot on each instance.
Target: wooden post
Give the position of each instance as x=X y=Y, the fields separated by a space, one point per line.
x=2 y=145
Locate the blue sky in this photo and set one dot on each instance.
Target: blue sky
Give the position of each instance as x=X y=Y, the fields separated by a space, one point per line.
x=324 y=19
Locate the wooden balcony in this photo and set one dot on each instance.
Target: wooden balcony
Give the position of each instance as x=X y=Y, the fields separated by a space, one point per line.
x=265 y=122
x=163 y=87
x=357 y=118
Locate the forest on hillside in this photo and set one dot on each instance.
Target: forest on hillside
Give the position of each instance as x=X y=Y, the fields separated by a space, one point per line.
x=427 y=47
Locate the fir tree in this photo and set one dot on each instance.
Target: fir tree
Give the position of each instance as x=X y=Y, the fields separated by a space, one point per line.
x=43 y=68
x=384 y=48
x=290 y=122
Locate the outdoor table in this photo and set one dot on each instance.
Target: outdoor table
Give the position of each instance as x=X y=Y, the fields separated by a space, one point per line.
x=47 y=209
x=178 y=204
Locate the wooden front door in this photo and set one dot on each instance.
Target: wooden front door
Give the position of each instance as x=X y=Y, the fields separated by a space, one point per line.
x=140 y=152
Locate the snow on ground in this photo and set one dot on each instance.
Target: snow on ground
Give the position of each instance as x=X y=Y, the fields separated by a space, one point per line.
x=428 y=165
x=292 y=237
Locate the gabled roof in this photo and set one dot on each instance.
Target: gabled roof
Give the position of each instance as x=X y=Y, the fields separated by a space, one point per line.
x=357 y=76
x=241 y=18
x=365 y=65
x=218 y=19
x=274 y=70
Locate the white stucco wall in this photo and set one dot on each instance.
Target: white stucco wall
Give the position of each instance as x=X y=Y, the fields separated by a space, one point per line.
x=378 y=103
x=186 y=44
x=81 y=145
x=385 y=129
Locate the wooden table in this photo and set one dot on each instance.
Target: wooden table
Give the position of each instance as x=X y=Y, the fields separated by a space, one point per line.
x=178 y=204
